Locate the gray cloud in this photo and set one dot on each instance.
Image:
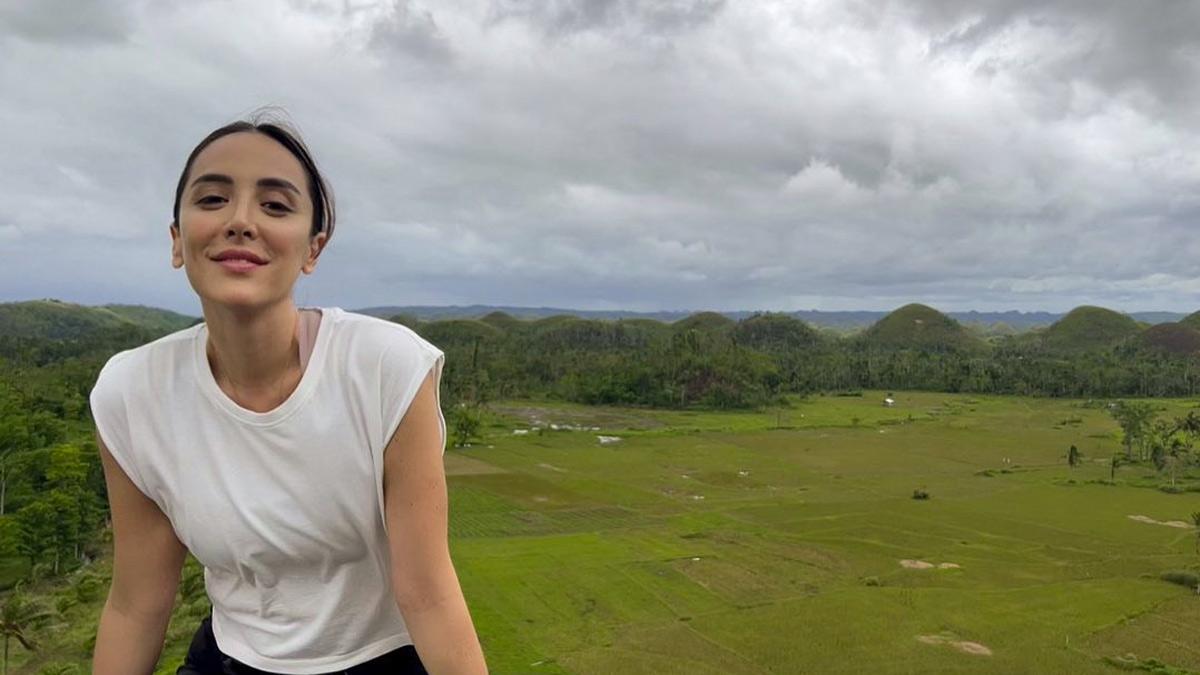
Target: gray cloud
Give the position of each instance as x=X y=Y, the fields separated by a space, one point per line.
x=566 y=17
x=1148 y=53
x=412 y=32
x=642 y=155
x=68 y=22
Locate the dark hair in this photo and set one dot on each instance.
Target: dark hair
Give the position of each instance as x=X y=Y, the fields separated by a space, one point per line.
x=289 y=138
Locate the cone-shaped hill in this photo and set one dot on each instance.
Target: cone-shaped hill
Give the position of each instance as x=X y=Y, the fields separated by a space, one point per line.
x=502 y=320
x=775 y=332
x=458 y=332
x=1192 y=320
x=574 y=333
x=704 y=322
x=649 y=328
x=1173 y=338
x=1086 y=328
x=922 y=328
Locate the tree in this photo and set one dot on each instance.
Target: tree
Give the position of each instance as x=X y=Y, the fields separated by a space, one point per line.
x=19 y=615
x=37 y=526
x=14 y=439
x=67 y=528
x=1134 y=418
x=1189 y=424
x=466 y=421
x=1074 y=457
x=22 y=430
x=1168 y=446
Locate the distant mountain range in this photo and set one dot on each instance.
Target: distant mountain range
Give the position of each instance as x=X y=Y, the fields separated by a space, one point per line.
x=57 y=319
x=845 y=321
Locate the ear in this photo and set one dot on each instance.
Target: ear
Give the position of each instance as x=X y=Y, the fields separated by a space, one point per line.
x=176 y=246
x=315 y=246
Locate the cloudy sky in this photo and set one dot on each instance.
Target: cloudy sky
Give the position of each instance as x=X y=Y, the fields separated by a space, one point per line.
x=600 y=154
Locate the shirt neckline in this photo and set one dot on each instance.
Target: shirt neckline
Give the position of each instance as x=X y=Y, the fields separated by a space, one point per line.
x=303 y=390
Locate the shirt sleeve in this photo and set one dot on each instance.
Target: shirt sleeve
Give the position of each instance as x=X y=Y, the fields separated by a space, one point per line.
x=111 y=415
x=403 y=368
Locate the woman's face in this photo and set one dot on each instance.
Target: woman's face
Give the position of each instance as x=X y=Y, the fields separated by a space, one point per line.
x=245 y=192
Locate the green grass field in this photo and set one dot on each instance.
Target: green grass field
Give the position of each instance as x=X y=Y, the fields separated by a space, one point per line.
x=717 y=543
x=773 y=542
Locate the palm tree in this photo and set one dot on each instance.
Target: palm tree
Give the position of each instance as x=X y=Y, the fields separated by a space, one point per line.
x=18 y=615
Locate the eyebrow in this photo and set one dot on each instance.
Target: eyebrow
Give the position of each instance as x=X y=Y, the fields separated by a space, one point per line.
x=262 y=182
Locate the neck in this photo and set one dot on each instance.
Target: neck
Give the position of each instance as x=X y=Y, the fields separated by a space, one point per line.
x=255 y=350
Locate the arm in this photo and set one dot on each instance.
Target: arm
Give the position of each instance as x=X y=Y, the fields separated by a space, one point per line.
x=148 y=560
x=423 y=578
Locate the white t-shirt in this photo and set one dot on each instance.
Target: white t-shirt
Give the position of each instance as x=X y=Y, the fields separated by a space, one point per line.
x=285 y=508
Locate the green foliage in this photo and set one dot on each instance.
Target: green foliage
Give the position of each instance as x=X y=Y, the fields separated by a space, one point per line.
x=465 y=423
x=19 y=615
x=1135 y=418
x=58 y=668
x=37 y=525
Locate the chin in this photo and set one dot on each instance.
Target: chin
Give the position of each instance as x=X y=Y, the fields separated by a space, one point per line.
x=237 y=299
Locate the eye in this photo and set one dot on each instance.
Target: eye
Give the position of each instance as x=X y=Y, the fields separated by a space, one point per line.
x=209 y=200
x=279 y=207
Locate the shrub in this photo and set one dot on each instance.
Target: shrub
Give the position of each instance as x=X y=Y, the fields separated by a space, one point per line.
x=1183 y=578
x=920 y=494
x=465 y=423
x=88 y=587
x=872 y=581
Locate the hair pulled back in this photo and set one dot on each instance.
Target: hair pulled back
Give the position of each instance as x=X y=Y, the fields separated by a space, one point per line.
x=286 y=135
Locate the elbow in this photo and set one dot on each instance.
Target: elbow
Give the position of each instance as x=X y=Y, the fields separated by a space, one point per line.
x=146 y=607
x=420 y=593
x=414 y=601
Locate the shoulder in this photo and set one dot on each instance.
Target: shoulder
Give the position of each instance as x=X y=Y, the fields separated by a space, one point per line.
x=123 y=369
x=381 y=337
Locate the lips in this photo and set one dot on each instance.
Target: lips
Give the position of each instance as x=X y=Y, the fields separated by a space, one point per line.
x=240 y=254
x=238 y=265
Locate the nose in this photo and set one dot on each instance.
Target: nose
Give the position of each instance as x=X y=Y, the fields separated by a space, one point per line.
x=240 y=224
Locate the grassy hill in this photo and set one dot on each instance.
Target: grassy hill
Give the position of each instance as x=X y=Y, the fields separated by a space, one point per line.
x=54 y=319
x=1087 y=328
x=159 y=320
x=449 y=332
x=1173 y=338
x=920 y=327
x=1192 y=320
x=773 y=332
x=502 y=320
x=705 y=322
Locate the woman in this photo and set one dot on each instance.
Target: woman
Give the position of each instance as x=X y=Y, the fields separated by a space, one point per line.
x=297 y=453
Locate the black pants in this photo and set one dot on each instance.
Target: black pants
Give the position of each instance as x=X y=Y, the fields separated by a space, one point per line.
x=203 y=658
